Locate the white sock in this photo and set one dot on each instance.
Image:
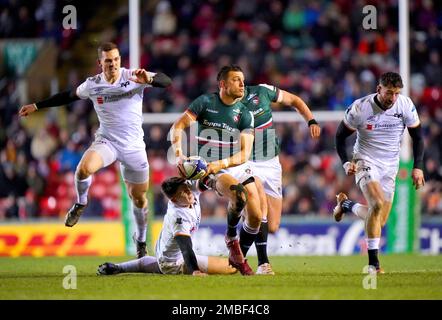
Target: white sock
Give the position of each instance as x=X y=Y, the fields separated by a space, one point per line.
x=141 y=220
x=147 y=264
x=82 y=188
x=360 y=210
x=373 y=243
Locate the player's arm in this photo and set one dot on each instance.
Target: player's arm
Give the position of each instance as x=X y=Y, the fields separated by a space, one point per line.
x=417 y=173
x=176 y=132
x=58 y=99
x=342 y=134
x=246 y=139
x=159 y=79
x=185 y=243
x=296 y=102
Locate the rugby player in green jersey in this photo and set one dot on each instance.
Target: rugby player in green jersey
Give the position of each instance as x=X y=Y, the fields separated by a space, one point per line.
x=265 y=160
x=225 y=139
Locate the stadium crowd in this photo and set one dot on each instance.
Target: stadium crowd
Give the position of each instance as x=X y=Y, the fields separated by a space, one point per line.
x=315 y=49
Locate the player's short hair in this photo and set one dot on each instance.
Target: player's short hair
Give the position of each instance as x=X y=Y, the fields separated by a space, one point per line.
x=106 y=46
x=171 y=185
x=391 y=79
x=222 y=74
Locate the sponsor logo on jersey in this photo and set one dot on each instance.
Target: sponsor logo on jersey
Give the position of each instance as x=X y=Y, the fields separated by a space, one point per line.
x=250 y=96
x=212 y=111
x=236 y=118
x=125 y=84
x=255 y=100
x=179 y=220
x=369 y=127
x=100 y=100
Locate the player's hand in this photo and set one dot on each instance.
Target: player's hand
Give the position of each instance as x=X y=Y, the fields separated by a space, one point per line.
x=141 y=76
x=213 y=167
x=27 y=110
x=199 y=273
x=350 y=168
x=417 y=175
x=315 y=131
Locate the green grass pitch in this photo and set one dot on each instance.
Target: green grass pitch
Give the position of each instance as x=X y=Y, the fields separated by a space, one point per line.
x=407 y=277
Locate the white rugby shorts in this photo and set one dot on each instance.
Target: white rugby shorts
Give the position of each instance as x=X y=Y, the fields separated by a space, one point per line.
x=368 y=171
x=134 y=165
x=270 y=174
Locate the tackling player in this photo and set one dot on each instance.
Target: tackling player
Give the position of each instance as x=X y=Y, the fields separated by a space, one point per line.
x=174 y=253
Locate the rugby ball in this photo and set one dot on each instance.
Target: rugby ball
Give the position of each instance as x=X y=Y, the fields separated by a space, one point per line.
x=193 y=168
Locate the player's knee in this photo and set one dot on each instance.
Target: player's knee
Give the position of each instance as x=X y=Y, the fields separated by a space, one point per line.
x=239 y=196
x=273 y=227
x=83 y=171
x=378 y=204
x=138 y=198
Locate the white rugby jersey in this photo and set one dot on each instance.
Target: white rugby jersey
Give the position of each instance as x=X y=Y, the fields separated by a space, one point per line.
x=379 y=132
x=118 y=106
x=178 y=220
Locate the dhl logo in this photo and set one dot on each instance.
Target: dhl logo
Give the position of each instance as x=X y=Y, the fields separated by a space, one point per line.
x=89 y=239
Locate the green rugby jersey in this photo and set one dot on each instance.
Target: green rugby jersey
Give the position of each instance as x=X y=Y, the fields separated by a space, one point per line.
x=258 y=99
x=219 y=126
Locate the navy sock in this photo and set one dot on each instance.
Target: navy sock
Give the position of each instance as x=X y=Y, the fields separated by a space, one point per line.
x=347 y=205
x=246 y=240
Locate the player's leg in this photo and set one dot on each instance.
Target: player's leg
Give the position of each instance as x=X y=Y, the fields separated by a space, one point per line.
x=274 y=212
x=137 y=192
x=146 y=264
x=99 y=155
x=135 y=172
x=386 y=209
x=374 y=195
x=261 y=237
x=229 y=187
x=345 y=205
x=253 y=217
x=214 y=265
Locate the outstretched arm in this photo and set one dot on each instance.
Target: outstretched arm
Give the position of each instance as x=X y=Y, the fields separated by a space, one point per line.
x=417 y=174
x=342 y=134
x=159 y=80
x=58 y=99
x=185 y=244
x=293 y=100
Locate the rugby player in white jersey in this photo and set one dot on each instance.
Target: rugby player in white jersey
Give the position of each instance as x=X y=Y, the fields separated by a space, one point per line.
x=117 y=95
x=380 y=120
x=174 y=253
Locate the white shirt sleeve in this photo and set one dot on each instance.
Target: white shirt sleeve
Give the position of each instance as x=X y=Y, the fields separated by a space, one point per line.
x=182 y=223
x=83 y=90
x=411 y=118
x=352 y=117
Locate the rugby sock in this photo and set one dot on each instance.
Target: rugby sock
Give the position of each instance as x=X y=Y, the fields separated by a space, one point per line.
x=82 y=188
x=141 y=220
x=373 y=248
x=145 y=264
x=347 y=205
x=261 y=242
x=233 y=218
x=360 y=210
x=247 y=236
